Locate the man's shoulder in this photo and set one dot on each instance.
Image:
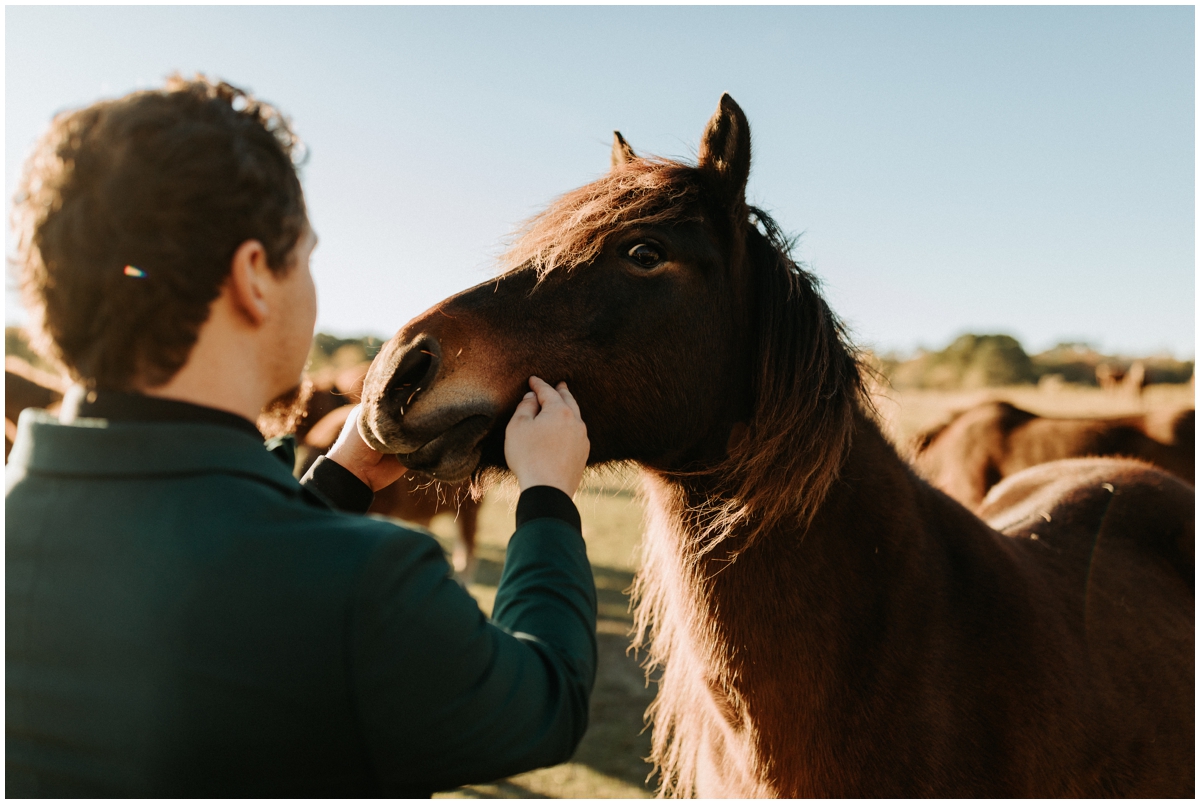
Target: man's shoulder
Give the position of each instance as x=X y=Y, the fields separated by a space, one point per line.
x=98 y=448
x=209 y=532
x=191 y=480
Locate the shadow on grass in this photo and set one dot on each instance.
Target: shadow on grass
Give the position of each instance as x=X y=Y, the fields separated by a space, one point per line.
x=616 y=743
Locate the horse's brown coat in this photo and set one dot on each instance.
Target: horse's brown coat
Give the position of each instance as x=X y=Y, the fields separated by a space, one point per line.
x=825 y=622
x=980 y=446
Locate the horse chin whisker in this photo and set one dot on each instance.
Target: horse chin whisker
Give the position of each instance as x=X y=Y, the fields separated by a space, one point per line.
x=484 y=479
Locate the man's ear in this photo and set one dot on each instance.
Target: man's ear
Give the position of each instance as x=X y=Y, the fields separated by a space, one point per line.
x=725 y=148
x=621 y=152
x=247 y=286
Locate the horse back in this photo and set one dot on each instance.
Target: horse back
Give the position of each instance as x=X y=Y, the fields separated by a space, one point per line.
x=982 y=445
x=963 y=456
x=1047 y=439
x=1111 y=543
x=1084 y=503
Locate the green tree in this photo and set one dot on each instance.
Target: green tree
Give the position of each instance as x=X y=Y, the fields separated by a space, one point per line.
x=971 y=361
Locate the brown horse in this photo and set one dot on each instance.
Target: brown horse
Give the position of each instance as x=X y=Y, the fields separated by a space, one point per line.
x=980 y=446
x=1118 y=380
x=328 y=390
x=409 y=498
x=825 y=622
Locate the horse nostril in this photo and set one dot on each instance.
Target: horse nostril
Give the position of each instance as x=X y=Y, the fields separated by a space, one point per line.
x=414 y=373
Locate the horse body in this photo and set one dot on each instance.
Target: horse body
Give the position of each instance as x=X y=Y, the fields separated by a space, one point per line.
x=1118 y=380
x=902 y=647
x=982 y=445
x=823 y=621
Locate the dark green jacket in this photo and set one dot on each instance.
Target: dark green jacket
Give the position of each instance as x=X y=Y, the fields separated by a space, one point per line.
x=183 y=619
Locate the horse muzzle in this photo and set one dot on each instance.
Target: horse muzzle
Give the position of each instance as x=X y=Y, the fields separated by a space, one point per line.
x=430 y=427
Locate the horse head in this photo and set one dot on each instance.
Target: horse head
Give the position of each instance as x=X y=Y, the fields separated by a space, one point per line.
x=669 y=306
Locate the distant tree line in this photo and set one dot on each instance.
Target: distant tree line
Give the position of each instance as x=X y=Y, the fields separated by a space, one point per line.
x=980 y=361
x=330 y=350
x=16 y=344
x=327 y=350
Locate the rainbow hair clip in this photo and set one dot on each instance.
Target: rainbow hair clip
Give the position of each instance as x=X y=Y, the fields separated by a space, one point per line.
x=135 y=272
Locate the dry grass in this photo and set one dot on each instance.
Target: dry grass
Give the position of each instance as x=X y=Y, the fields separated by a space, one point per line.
x=610 y=761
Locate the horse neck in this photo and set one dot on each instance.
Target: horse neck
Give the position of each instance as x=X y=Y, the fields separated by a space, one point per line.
x=771 y=633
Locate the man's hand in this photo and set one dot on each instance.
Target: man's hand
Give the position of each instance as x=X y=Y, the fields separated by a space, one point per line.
x=546 y=441
x=376 y=469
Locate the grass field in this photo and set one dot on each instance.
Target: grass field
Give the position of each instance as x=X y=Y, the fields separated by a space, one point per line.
x=610 y=761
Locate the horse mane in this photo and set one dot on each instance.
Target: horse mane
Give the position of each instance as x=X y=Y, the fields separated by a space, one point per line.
x=807 y=387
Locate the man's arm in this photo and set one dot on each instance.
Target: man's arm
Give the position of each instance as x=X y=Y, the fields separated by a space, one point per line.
x=337 y=486
x=447 y=697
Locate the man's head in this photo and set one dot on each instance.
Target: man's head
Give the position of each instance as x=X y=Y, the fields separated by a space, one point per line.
x=130 y=215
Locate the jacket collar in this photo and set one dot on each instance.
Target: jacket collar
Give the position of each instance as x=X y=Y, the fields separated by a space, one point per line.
x=104 y=448
x=118 y=406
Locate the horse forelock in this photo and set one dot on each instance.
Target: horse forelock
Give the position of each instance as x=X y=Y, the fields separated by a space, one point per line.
x=575 y=227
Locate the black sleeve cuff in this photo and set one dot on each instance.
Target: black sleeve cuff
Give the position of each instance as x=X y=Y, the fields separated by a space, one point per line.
x=337 y=484
x=537 y=502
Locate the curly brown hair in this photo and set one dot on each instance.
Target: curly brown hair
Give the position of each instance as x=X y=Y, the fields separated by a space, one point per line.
x=129 y=213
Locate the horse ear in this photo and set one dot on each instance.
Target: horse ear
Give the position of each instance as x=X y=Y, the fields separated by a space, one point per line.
x=725 y=146
x=621 y=152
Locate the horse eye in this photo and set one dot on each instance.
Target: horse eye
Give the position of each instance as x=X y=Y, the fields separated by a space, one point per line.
x=645 y=256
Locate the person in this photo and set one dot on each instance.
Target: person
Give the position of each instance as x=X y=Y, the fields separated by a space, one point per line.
x=184 y=618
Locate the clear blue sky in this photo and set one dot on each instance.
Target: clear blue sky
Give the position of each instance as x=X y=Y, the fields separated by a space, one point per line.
x=1028 y=170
